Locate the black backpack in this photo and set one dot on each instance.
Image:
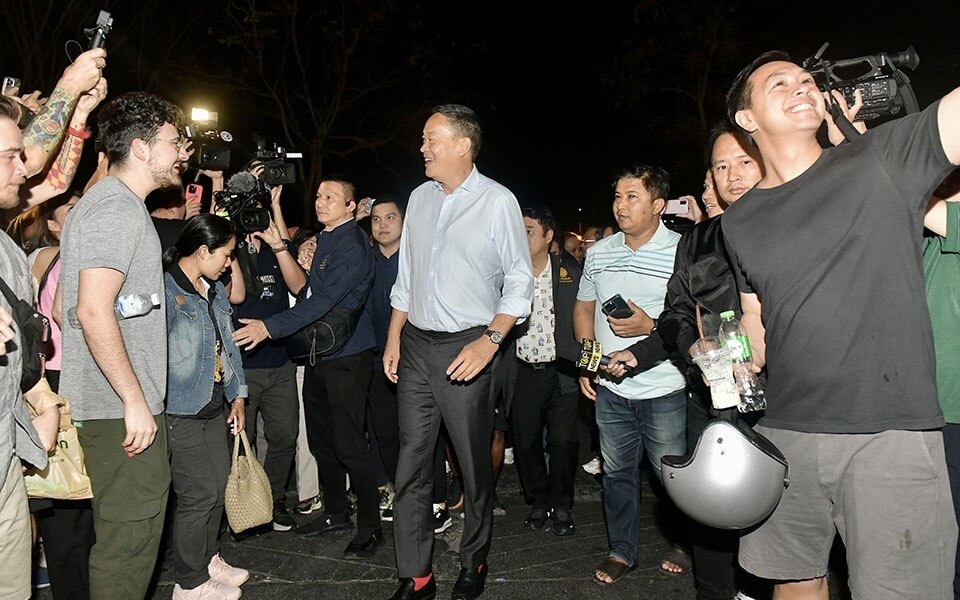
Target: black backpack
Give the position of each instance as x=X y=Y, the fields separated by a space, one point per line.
x=34 y=332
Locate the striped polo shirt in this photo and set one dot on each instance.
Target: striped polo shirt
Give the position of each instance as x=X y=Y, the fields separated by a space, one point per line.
x=613 y=268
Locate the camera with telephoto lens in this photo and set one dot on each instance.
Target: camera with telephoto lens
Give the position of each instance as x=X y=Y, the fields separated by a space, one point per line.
x=885 y=88
x=244 y=203
x=276 y=171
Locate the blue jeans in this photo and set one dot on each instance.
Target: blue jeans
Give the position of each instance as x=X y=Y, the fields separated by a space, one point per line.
x=627 y=427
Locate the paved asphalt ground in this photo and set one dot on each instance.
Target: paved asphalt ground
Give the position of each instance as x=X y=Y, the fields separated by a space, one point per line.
x=524 y=565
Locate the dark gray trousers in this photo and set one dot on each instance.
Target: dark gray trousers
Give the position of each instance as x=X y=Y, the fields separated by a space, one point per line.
x=273 y=393
x=425 y=395
x=199 y=467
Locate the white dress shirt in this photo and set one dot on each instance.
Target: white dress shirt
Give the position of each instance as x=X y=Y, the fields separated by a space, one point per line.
x=463 y=258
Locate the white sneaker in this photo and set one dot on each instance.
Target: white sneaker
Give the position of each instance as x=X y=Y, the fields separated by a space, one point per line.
x=508 y=456
x=742 y=596
x=211 y=589
x=225 y=574
x=592 y=467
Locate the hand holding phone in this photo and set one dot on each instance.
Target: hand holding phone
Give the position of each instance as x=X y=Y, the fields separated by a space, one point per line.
x=616 y=307
x=676 y=206
x=11 y=85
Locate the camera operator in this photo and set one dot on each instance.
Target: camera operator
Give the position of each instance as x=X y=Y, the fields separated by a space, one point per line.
x=270 y=374
x=335 y=385
x=852 y=400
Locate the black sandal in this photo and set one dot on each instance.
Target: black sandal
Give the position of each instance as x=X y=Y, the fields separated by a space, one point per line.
x=614 y=569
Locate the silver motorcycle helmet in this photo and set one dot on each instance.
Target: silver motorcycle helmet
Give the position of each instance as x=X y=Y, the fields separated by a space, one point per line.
x=733 y=479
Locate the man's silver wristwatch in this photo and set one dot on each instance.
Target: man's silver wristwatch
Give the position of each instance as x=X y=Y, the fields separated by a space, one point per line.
x=495 y=336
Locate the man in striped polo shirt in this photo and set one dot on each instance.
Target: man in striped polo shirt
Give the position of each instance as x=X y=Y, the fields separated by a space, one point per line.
x=641 y=411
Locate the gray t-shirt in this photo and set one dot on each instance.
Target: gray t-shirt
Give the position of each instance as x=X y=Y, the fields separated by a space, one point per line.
x=110 y=228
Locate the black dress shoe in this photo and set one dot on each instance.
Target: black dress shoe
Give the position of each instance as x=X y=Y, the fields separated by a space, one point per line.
x=563 y=522
x=406 y=591
x=537 y=519
x=469 y=584
x=364 y=547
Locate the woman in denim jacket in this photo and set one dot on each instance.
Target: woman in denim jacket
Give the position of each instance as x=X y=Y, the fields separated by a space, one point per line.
x=204 y=381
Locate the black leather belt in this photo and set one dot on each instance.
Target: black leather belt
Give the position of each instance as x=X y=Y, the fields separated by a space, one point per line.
x=540 y=366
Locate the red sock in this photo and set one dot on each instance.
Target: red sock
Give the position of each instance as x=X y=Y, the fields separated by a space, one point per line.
x=480 y=568
x=419 y=582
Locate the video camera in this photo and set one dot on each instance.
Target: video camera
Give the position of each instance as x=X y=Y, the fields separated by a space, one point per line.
x=885 y=88
x=244 y=202
x=275 y=170
x=203 y=131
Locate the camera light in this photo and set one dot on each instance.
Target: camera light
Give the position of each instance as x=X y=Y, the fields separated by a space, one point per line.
x=203 y=115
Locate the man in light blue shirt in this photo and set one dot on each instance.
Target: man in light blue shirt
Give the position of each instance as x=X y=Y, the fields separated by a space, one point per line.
x=641 y=411
x=464 y=280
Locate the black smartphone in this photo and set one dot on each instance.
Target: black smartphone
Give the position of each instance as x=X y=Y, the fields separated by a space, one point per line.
x=616 y=307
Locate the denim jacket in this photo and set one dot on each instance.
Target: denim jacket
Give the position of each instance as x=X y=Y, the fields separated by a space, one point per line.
x=190 y=349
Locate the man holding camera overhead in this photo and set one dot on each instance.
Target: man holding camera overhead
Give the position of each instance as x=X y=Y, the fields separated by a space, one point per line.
x=851 y=388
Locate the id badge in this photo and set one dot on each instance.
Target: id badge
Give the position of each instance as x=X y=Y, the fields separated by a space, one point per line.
x=269 y=286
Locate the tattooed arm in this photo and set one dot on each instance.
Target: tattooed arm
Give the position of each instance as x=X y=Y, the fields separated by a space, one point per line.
x=45 y=133
x=61 y=172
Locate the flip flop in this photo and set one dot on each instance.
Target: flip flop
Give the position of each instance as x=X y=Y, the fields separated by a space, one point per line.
x=614 y=569
x=679 y=557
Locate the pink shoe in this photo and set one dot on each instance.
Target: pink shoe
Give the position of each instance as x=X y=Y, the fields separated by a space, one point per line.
x=211 y=589
x=225 y=574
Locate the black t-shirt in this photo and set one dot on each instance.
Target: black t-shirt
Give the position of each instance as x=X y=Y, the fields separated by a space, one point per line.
x=834 y=256
x=274 y=299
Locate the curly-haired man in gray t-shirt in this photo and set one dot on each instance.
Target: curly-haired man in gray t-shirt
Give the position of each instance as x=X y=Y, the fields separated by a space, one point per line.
x=115 y=371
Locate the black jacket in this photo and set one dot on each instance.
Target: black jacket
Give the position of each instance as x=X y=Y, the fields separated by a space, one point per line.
x=701 y=275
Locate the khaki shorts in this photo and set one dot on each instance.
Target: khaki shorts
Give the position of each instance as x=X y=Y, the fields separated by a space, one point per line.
x=14 y=535
x=888 y=496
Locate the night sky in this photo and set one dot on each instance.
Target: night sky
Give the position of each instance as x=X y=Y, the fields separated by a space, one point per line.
x=566 y=96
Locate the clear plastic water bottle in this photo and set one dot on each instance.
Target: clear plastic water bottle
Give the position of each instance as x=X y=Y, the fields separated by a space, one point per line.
x=135 y=305
x=735 y=340
x=127 y=305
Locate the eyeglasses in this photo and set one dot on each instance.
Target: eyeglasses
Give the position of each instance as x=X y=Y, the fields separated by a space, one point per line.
x=178 y=142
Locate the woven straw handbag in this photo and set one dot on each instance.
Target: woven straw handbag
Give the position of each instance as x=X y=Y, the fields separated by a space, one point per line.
x=247 y=500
